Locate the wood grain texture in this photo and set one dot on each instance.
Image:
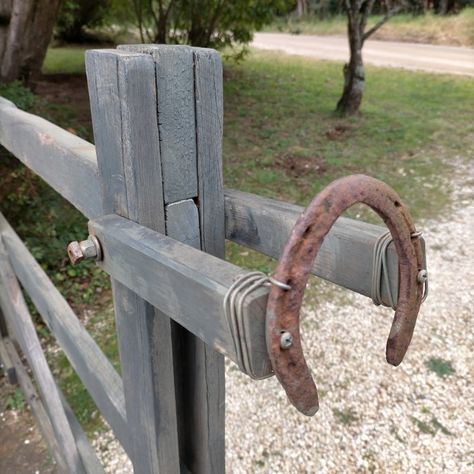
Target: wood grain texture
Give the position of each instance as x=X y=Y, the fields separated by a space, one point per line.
x=209 y=129
x=124 y=113
x=175 y=93
x=63 y=160
x=15 y=309
x=185 y=283
x=96 y=372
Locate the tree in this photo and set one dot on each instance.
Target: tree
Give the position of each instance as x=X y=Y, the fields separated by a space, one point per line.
x=75 y=15
x=354 y=75
x=26 y=27
x=206 y=23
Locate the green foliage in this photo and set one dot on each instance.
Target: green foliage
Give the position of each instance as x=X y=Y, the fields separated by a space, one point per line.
x=43 y=219
x=457 y=29
x=15 y=401
x=18 y=94
x=345 y=417
x=442 y=368
x=206 y=23
x=76 y=15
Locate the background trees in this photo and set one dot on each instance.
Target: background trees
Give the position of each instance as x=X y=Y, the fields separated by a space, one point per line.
x=206 y=23
x=26 y=27
x=358 y=12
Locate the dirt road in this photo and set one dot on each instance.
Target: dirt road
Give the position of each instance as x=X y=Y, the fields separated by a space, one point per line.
x=432 y=58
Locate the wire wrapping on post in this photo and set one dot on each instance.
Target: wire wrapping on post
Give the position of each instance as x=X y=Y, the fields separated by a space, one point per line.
x=380 y=271
x=234 y=301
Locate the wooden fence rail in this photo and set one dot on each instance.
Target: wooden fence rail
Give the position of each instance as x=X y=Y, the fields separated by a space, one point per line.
x=152 y=190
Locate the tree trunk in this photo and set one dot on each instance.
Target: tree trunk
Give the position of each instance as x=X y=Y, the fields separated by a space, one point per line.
x=25 y=33
x=354 y=76
x=301 y=8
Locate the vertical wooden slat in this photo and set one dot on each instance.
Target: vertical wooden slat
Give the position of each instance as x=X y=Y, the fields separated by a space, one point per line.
x=19 y=318
x=190 y=124
x=124 y=114
x=202 y=382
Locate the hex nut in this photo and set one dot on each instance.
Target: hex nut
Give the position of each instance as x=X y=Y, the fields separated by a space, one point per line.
x=75 y=252
x=87 y=249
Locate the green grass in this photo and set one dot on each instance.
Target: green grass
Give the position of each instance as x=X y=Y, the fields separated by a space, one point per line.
x=101 y=326
x=279 y=110
x=65 y=60
x=345 y=417
x=442 y=368
x=457 y=30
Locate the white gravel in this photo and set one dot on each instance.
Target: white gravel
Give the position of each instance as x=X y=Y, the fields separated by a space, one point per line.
x=373 y=417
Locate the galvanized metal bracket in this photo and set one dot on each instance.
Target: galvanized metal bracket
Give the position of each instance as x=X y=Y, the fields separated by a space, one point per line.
x=282 y=322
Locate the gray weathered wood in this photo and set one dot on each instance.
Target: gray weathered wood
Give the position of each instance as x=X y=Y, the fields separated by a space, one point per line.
x=183 y=282
x=62 y=159
x=345 y=258
x=183 y=222
x=97 y=373
x=36 y=406
x=16 y=311
x=174 y=81
x=6 y=364
x=88 y=456
x=124 y=113
x=189 y=120
x=209 y=129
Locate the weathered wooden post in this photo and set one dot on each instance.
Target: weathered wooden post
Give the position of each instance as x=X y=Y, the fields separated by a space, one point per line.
x=157 y=116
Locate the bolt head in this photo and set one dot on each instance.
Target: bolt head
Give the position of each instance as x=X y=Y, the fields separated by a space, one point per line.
x=286 y=340
x=422 y=276
x=75 y=252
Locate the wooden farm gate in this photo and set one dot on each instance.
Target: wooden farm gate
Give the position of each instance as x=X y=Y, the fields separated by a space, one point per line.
x=152 y=190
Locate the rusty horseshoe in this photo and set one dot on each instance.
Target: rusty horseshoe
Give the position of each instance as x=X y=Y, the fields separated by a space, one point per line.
x=283 y=308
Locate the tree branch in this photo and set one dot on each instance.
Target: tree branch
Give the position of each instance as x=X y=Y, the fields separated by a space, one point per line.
x=380 y=23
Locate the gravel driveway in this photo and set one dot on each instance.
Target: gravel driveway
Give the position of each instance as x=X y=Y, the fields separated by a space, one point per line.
x=418 y=57
x=418 y=417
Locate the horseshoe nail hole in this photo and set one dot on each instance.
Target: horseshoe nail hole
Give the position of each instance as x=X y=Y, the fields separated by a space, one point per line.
x=307 y=231
x=397 y=204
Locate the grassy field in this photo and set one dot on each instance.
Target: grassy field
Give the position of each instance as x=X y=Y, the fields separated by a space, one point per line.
x=281 y=139
x=456 y=30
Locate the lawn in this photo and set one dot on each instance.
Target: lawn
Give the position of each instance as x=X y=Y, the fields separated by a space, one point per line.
x=455 y=30
x=281 y=139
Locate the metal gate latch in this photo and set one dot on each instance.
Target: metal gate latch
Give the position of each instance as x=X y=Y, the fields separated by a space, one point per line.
x=283 y=308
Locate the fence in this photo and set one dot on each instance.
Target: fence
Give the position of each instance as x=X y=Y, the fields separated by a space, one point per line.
x=152 y=188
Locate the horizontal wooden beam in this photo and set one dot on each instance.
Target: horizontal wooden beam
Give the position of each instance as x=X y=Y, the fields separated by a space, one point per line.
x=65 y=161
x=345 y=258
x=182 y=282
x=69 y=165
x=96 y=372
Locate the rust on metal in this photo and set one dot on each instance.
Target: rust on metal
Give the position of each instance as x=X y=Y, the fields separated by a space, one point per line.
x=294 y=268
x=75 y=253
